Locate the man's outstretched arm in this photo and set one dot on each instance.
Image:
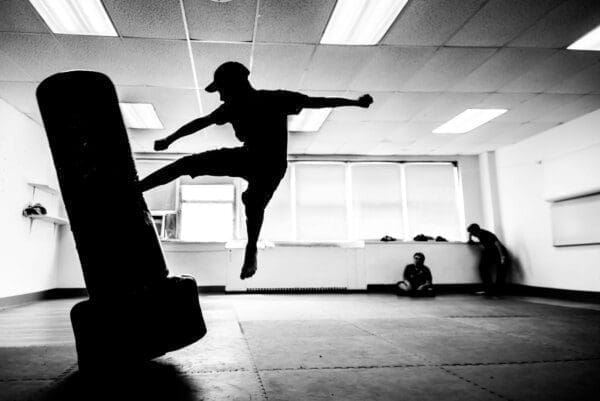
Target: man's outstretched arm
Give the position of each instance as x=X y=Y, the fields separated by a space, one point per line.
x=323 y=102
x=187 y=129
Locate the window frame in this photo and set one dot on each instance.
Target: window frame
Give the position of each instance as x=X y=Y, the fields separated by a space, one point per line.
x=351 y=231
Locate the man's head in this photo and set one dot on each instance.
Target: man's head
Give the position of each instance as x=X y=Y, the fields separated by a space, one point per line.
x=230 y=78
x=474 y=229
x=419 y=258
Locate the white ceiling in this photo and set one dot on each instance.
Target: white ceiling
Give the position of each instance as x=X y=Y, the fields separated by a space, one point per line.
x=438 y=58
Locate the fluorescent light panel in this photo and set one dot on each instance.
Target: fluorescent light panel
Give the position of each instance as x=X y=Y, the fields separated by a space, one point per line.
x=75 y=17
x=468 y=120
x=361 y=22
x=140 y=116
x=309 y=120
x=589 y=41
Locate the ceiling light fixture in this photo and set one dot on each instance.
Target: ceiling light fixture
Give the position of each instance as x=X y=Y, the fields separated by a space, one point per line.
x=140 y=116
x=468 y=120
x=75 y=17
x=361 y=22
x=589 y=41
x=309 y=120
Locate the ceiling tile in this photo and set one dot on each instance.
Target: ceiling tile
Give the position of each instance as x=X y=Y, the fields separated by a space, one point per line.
x=582 y=105
x=390 y=67
x=505 y=66
x=321 y=147
x=524 y=131
x=21 y=95
x=504 y=100
x=298 y=142
x=334 y=67
x=562 y=26
x=295 y=21
x=563 y=65
x=208 y=56
x=481 y=136
x=586 y=81
x=178 y=103
x=536 y=107
x=38 y=55
x=11 y=71
x=280 y=66
x=221 y=21
x=387 y=148
x=357 y=148
x=343 y=131
x=430 y=22
x=447 y=67
x=448 y=105
x=430 y=142
x=132 y=61
x=403 y=106
x=20 y=16
x=500 y=21
x=147 y=18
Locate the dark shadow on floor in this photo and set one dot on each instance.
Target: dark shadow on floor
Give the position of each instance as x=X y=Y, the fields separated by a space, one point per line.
x=152 y=381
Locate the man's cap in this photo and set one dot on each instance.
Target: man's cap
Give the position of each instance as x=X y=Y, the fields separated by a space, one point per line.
x=231 y=72
x=419 y=255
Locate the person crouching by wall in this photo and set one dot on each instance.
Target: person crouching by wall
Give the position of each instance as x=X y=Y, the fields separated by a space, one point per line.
x=417 y=279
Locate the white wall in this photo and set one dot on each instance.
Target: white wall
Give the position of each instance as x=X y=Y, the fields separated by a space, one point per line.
x=28 y=248
x=525 y=213
x=209 y=263
x=349 y=264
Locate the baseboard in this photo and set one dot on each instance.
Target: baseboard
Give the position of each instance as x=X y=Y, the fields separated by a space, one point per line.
x=544 y=292
x=66 y=293
x=439 y=288
x=512 y=289
x=211 y=289
x=16 y=300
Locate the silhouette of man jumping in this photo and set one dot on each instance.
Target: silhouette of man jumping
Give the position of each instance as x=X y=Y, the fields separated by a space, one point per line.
x=259 y=119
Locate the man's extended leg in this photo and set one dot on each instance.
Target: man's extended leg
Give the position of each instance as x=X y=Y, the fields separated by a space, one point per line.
x=219 y=162
x=164 y=175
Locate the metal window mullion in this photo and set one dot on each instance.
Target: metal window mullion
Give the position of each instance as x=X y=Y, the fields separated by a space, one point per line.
x=350 y=229
x=293 y=211
x=405 y=224
x=460 y=202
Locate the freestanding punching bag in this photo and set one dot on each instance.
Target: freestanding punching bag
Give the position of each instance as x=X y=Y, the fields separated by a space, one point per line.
x=134 y=309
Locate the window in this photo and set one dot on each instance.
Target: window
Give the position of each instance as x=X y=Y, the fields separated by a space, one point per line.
x=207 y=212
x=318 y=201
x=321 y=201
x=376 y=200
x=432 y=200
x=278 y=223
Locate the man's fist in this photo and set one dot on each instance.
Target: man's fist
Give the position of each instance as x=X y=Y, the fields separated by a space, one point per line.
x=365 y=101
x=161 y=144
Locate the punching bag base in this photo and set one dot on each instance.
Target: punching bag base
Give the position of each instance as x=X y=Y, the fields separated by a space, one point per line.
x=134 y=330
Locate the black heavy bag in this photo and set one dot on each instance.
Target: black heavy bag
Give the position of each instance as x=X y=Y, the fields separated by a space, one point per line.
x=114 y=232
x=133 y=308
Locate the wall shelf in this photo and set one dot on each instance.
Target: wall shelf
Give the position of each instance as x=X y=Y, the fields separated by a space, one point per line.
x=43 y=187
x=51 y=219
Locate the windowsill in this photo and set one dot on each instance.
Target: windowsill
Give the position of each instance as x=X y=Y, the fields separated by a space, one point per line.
x=241 y=244
x=375 y=241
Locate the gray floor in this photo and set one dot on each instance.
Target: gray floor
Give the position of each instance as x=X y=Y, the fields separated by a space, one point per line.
x=334 y=347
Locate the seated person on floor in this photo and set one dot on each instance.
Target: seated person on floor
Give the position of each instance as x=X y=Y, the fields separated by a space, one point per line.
x=417 y=278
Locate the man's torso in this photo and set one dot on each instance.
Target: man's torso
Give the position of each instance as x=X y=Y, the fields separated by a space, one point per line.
x=260 y=121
